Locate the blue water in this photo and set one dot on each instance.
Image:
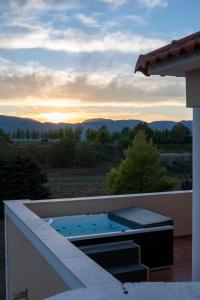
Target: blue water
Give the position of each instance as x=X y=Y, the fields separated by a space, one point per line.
x=79 y=225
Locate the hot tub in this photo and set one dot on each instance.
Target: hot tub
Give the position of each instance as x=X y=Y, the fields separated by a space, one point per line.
x=151 y=231
x=86 y=226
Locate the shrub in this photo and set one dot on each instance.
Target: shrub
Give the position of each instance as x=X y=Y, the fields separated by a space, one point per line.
x=21 y=178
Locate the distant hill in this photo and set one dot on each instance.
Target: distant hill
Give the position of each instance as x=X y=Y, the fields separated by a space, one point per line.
x=112 y=125
x=162 y=124
x=9 y=124
x=168 y=124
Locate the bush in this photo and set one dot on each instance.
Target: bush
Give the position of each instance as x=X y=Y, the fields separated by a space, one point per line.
x=86 y=155
x=62 y=154
x=187 y=184
x=21 y=178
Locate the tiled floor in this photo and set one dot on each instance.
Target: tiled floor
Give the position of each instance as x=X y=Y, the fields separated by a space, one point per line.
x=182 y=268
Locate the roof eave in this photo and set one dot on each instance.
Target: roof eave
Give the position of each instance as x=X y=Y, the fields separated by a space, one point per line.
x=174 y=67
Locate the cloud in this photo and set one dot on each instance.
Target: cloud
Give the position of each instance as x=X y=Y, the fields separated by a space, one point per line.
x=136 y=19
x=19 y=6
x=113 y=3
x=74 y=40
x=153 y=3
x=32 y=90
x=35 y=82
x=85 y=20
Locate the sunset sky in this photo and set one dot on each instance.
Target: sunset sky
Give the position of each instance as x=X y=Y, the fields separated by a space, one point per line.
x=71 y=60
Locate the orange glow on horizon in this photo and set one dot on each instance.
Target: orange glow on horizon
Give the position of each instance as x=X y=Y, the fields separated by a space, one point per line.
x=56 y=117
x=80 y=116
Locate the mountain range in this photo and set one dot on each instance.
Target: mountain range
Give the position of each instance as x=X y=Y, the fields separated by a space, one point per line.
x=9 y=124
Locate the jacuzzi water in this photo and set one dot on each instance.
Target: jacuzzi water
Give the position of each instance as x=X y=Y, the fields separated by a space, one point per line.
x=81 y=225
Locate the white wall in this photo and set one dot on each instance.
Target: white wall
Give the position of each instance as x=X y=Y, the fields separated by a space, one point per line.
x=27 y=269
x=177 y=205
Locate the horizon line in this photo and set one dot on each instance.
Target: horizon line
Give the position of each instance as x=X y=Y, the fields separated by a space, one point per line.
x=93 y=119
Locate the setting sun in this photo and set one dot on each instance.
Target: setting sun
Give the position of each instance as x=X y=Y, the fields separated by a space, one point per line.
x=57 y=117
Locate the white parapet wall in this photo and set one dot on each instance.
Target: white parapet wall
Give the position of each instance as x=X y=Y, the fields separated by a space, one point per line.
x=42 y=262
x=177 y=205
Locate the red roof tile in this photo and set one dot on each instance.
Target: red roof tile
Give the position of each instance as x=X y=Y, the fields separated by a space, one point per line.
x=186 y=45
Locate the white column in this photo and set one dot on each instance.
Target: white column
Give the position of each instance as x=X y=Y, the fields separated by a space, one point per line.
x=196 y=196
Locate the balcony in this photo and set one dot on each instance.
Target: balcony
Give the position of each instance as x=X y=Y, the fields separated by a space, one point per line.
x=43 y=264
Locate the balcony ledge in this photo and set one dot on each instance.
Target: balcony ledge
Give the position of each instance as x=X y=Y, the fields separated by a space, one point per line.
x=79 y=276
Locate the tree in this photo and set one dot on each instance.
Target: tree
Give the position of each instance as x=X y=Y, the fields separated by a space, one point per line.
x=20 y=134
x=162 y=136
x=186 y=184
x=124 y=141
x=4 y=137
x=90 y=135
x=145 y=127
x=27 y=134
x=180 y=134
x=62 y=154
x=125 y=138
x=77 y=133
x=21 y=178
x=141 y=170
x=86 y=155
x=103 y=135
x=35 y=134
x=115 y=136
x=61 y=133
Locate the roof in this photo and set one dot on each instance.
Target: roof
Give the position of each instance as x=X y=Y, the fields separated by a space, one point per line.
x=175 y=49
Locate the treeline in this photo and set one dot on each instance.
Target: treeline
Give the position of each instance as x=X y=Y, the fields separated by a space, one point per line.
x=73 y=149
x=178 y=134
x=21 y=134
x=71 y=152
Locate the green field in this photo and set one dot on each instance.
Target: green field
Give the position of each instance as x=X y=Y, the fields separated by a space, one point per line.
x=65 y=183
x=77 y=182
x=172 y=148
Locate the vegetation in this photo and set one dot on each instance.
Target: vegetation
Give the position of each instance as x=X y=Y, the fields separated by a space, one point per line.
x=178 y=135
x=182 y=170
x=77 y=182
x=67 y=148
x=141 y=170
x=76 y=162
x=21 y=178
x=4 y=137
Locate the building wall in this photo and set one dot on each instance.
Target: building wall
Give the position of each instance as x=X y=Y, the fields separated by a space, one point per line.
x=27 y=269
x=177 y=205
x=193 y=88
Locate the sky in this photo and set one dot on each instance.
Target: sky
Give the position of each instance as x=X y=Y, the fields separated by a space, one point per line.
x=72 y=60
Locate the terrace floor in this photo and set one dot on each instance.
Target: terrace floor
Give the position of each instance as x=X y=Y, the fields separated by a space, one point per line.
x=182 y=268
